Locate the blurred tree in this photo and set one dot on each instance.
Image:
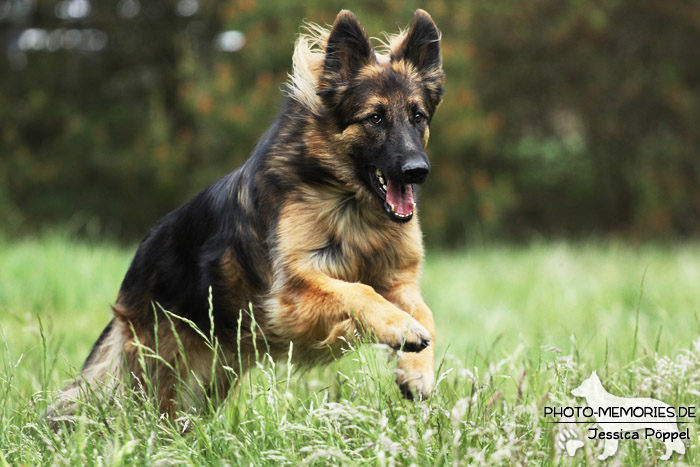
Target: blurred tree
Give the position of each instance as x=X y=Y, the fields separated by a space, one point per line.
x=614 y=85
x=559 y=117
x=80 y=108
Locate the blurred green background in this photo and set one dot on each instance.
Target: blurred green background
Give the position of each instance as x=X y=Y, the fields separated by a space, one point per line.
x=560 y=119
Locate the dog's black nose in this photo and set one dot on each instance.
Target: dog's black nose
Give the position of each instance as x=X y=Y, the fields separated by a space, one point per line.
x=415 y=171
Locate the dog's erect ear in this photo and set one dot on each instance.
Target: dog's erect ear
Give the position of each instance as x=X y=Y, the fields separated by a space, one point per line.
x=421 y=47
x=348 y=48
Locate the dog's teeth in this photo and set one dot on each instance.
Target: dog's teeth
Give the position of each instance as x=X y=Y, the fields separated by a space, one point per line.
x=402 y=216
x=384 y=187
x=381 y=180
x=379 y=173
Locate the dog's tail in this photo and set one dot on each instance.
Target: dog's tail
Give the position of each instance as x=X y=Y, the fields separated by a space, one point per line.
x=99 y=374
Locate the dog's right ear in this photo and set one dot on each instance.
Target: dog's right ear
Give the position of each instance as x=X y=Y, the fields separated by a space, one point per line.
x=421 y=47
x=348 y=49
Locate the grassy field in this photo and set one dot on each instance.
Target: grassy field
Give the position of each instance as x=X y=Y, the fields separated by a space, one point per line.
x=518 y=328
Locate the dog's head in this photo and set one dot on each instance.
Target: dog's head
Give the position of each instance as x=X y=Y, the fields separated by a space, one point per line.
x=380 y=107
x=589 y=387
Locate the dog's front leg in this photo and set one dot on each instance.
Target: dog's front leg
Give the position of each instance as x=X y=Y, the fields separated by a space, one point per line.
x=415 y=371
x=609 y=449
x=313 y=309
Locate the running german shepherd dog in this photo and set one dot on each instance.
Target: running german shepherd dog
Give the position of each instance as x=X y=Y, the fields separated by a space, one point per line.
x=316 y=236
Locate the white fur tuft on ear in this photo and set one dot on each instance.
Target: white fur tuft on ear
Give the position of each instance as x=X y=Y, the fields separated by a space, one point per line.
x=307 y=66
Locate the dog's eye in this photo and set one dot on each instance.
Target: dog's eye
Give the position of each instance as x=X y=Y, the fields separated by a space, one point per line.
x=375 y=119
x=418 y=117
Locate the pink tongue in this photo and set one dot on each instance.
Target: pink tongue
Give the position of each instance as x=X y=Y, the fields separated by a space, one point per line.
x=400 y=197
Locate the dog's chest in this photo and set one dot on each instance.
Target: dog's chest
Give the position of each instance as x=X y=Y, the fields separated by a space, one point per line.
x=370 y=260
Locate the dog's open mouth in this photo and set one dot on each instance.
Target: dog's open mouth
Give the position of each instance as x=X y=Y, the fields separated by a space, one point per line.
x=397 y=197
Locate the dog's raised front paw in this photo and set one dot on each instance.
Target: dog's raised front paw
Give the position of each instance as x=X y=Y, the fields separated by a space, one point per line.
x=409 y=336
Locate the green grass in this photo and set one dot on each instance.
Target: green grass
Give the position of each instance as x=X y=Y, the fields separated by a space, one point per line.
x=518 y=328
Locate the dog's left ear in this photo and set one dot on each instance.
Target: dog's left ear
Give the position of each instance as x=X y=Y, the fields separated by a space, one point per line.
x=348 y=48
x=421 y=47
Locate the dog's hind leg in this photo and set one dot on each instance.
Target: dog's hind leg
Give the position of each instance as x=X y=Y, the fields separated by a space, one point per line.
x=123 y=356
x=679 y=446
x=189 y=370
x=100 y=372
x=675 y=445
x=177 y=368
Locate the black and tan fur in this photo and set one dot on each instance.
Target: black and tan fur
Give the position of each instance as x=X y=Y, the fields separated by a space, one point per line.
x=298 y=234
